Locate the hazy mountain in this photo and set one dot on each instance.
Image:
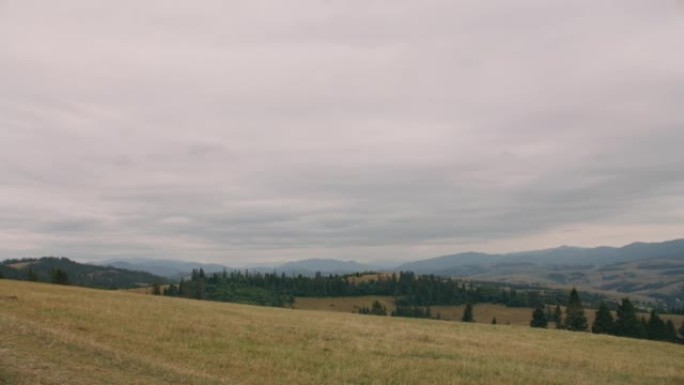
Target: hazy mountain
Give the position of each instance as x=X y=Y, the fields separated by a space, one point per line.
x=164 y=267
x=324 y=266
x=564 y=255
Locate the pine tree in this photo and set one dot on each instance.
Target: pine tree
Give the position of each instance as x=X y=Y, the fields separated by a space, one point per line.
x=539 y=318
x=59 y=277
x=655 y=328
x=377 y=309
x=558 y=317
x=574 y=314
x=670 y=331
x=627 y=324
x=468 y=314
x=549 y=314
x=603 y=323
x=494 y=321
x=31 y=275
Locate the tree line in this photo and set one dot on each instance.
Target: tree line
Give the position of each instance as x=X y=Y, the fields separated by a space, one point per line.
x=415 y=294
x=626 y=323
x=411 y=291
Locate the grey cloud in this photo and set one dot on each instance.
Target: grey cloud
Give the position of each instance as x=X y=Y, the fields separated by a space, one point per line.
x=246 y=132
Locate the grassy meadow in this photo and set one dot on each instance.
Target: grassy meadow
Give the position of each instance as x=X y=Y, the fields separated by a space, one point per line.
x=67 y=335
x=483 y=313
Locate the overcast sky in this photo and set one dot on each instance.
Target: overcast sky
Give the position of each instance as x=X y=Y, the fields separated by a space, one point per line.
x=246 y=132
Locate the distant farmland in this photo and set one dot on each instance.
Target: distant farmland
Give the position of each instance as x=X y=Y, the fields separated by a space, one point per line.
x=483 y=312
x=69 y=335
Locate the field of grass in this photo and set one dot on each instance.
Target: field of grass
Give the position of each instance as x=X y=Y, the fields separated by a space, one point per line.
x=67 y=335
x=483 y=313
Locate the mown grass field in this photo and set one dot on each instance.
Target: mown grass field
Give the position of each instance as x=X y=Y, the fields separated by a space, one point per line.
x=66 y=335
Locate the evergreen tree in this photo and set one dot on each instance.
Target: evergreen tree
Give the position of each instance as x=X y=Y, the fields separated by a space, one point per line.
x=670 y=331
x=627 y=324
x=558 y=317
x=655 y=328
x=603 y=323
x=59 y=277
x=549 y=314
x=156 y=289
x=574 y=314
x=378 y=309
x=468 y=314
x=539 y=318
x=494 y=321
x=31 y=275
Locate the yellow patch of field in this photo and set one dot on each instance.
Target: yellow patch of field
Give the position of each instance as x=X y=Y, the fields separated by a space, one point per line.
x=144 y=289
x=369 y=277
x=68 y=335
x=342 y=304
x=20 y=265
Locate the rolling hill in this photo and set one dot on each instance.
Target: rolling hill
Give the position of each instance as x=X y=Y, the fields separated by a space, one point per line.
x=81 y=274
x=163 y=267
x=80 y=336
x=560 y=256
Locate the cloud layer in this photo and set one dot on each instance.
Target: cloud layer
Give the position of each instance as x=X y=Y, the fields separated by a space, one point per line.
x=249 y=132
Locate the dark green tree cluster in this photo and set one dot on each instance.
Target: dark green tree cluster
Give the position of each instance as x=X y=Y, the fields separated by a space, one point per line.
x=628 y=324
x=59 y=276
x=539 y=317
x=603 y=321
x=575 y=319
x=376 y=309
x=409 y=290
x=412 y=312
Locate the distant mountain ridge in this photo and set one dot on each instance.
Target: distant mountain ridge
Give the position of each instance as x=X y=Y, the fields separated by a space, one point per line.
x=561 y=256
x=325 y=266
x=164 y=267
x=463 y=264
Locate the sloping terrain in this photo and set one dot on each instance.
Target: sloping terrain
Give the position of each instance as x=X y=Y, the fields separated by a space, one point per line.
x=81 y=274
x=66 y=335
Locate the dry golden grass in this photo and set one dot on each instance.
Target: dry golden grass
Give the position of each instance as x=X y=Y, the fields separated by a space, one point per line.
x=67 y=335
x=483 y=313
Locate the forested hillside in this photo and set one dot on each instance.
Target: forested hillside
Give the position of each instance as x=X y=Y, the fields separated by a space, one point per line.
x=65 y=271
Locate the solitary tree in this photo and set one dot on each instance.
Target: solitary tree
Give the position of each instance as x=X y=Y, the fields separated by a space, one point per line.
x=603 y=322
x=468 y=314
x=574 y=314
x=539 y=317
x=494 y=321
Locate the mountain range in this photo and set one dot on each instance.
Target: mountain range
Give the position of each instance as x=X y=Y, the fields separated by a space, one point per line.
x=645 y=271
x=461 y=264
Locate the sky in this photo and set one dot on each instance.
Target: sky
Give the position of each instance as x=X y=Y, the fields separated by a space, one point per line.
x=254 y=132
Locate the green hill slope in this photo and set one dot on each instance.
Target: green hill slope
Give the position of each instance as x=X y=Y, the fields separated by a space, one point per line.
x=66 y=335
x=80 y=274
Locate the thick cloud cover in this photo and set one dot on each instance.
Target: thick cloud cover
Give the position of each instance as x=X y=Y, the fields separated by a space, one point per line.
x=259 y=131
